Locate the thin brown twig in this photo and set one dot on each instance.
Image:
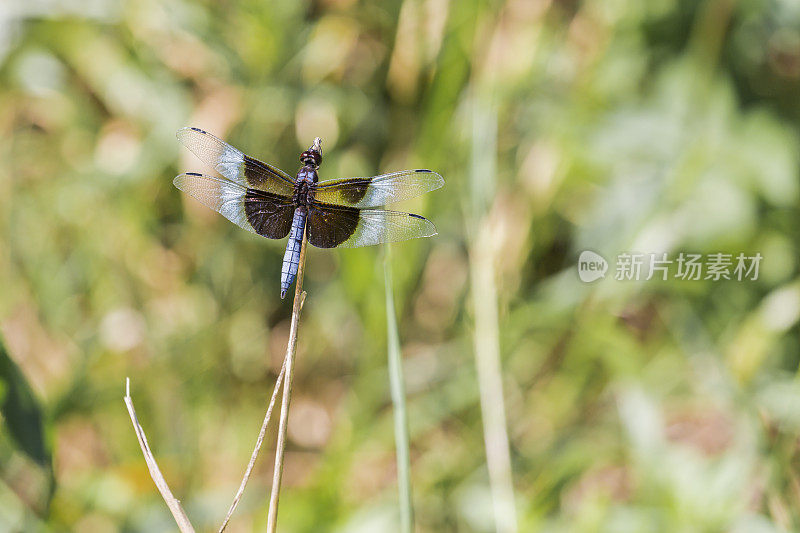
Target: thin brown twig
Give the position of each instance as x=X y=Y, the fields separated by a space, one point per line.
x=257 y=449
x=174 y=505
x=299 y=299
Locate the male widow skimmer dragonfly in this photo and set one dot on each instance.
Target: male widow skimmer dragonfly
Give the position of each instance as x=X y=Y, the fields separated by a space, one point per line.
x=344 y=213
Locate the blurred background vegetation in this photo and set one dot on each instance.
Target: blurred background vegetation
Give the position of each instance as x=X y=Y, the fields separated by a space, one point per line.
x=559 y=126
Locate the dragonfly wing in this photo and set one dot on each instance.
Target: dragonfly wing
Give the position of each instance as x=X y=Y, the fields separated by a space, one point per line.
x=330 y=226
x=378 y=190
x=234 y=164
x=262 y=212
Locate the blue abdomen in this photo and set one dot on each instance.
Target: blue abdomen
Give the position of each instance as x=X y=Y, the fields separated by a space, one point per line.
x=291 y=258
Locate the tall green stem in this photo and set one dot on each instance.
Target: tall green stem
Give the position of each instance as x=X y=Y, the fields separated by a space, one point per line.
x=397 y=386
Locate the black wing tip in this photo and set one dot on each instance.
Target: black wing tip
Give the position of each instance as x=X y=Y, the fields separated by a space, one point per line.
x=283 y=294
x=427 y=171
x=192 y=128
x=430 y=224
x=178 y=180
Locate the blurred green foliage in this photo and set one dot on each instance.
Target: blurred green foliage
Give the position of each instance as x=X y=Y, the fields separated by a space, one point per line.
x=619 y=126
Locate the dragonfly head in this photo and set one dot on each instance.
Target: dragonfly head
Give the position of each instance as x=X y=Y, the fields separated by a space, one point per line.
x=313 y=156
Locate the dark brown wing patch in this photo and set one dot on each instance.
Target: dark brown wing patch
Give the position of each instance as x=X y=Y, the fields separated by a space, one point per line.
x=377 y=191
x=269 y=214
x=356 y=190
x=329 y=226
x=262 y=176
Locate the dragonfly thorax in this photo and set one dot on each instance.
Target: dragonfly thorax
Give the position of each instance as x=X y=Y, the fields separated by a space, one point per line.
x=304 y=186
x=307 y=174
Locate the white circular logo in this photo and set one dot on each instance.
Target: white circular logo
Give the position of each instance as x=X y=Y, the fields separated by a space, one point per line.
x=591 y=266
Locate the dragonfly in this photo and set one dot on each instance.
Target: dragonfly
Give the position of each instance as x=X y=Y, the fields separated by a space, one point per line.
x=335 y=213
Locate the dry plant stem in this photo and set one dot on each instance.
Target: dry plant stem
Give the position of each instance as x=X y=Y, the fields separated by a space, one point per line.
x=174 y=505
x=257 y=449
x=299 y=298
x=483 y=255
x=487 y=356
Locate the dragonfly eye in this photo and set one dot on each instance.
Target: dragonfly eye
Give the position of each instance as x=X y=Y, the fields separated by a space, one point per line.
x=311 y=157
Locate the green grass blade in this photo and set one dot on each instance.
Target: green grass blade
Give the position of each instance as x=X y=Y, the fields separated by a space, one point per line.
x=21 y=412
x=397 y=386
